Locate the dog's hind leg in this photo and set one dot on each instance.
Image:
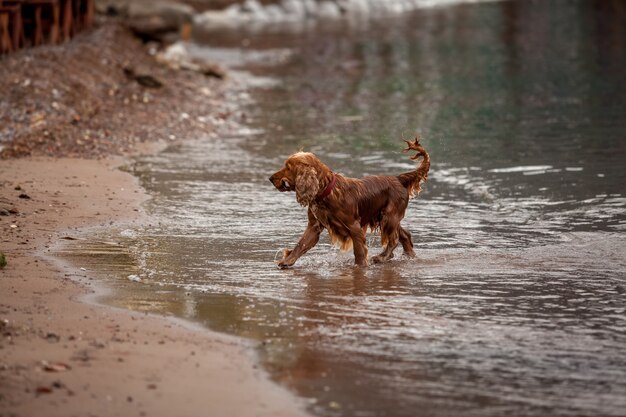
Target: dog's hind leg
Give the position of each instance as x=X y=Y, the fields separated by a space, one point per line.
x=389 y=235
x=407 y=242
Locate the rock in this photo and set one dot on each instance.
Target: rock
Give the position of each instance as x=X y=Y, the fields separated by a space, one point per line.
x=97 y=344
x=151 y=20
x=173 y=55
x=177 y=57
x=37 y=119
x=24 y=196
x=82 y=356
x=212 y=70
x=4 y=212
x=52 y=337
x=55 y=367
x=43 y=390
x=152 y=29
x=112 y=7
x=171 y=12
x=144 y=80
x=148 y=81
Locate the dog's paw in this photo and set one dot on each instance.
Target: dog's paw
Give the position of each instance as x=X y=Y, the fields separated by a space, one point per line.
x=285 y=263
x=381 y=258
x=377 y=259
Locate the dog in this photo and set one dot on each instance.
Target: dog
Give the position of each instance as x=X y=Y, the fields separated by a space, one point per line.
x=346 y=207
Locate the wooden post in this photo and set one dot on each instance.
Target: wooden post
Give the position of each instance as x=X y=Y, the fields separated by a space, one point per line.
x=38 y=35
x=17 y=28
x=11 y=27
x=6 y=45
x=56 y=19
x=90 y=8
x=76 y=17
x=67 y=23
x=42 y=21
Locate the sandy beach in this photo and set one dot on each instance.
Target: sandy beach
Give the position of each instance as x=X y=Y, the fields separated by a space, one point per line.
x=60 y=354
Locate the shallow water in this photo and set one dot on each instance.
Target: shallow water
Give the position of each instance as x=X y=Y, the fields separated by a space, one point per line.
x=516 y=302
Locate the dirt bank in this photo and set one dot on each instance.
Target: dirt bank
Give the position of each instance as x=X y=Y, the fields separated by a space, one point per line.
x=101 y=94
x=60 y=356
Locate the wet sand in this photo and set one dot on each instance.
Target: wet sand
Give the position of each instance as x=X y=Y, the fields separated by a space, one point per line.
x=60 y=355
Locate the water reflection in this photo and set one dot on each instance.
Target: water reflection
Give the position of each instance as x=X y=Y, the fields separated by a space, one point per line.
x=515 y=304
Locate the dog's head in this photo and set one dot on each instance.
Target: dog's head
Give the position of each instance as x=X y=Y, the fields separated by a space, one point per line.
x=302 y=173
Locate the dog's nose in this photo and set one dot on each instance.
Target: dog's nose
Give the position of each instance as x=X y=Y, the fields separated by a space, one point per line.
x=272 y=179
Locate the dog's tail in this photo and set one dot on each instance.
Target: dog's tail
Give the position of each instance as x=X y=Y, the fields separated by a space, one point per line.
x=413 y=180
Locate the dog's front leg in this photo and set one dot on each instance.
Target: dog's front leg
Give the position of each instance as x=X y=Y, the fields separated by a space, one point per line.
x=309 y=238
x=359 y=244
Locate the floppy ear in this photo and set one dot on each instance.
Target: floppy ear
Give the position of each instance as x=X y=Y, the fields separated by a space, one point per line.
x=307 y=185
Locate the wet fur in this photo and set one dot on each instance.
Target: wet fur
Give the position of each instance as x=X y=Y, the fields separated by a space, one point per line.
x=353 y=206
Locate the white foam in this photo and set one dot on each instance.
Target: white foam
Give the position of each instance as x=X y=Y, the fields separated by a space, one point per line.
x=128 y=233
x=522 y=168
x=295 y=14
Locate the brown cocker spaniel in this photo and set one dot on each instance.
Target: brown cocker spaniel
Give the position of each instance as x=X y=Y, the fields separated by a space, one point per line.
x=346 y=207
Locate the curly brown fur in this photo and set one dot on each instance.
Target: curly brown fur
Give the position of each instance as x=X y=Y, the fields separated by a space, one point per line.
x=351 y=205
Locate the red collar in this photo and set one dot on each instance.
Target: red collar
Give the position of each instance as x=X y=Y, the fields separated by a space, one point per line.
x=329 y=189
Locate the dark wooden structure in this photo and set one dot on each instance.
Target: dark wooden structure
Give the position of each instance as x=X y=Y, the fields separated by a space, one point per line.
x=25 y=23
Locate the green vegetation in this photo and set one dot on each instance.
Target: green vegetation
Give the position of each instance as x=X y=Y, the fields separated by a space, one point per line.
x=3 y=260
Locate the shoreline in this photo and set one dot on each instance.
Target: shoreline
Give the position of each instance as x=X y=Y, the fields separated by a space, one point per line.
x=64 y=353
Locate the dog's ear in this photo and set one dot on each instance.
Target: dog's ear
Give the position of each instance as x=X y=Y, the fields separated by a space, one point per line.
x=307 y=185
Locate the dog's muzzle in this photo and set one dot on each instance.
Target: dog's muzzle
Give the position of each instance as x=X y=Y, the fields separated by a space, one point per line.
x=282 y=185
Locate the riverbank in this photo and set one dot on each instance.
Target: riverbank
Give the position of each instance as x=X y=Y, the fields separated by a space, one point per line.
x=59 y=355
x=103 y=93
